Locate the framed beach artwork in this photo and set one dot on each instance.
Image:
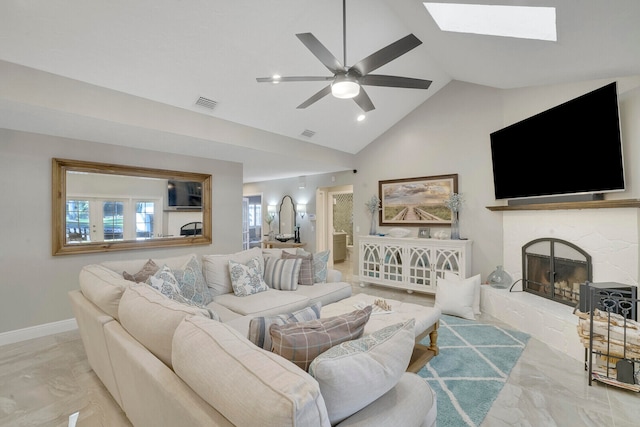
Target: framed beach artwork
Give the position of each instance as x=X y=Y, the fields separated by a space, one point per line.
x=417 y=201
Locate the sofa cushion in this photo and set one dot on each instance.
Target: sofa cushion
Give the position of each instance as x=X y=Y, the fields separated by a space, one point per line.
x=320 y=261
x=282 y=274
x=216 y=269
x=103 y=287
x=381 y=357
x=151 y=318
x=259 y=326
x=306 y=267
x=326 y=293
x=248 y=385
x=148 y=269
x=265 y=303
x=303 y=341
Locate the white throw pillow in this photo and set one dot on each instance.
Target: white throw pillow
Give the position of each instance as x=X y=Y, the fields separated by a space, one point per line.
x=355 y=373
x=476 y=282
x=246 y=279
x=455 y=297
x=216 y=269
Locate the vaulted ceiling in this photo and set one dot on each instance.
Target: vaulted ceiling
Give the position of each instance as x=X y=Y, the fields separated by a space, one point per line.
x=173 y=52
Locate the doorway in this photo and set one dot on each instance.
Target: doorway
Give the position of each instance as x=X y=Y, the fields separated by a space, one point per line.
x=251 y=221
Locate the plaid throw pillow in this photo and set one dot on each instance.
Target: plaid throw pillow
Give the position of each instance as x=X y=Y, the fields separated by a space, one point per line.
x=306 y=267
x=320 y=261
x=259 y=326
x=282 y=273
x=303 y=341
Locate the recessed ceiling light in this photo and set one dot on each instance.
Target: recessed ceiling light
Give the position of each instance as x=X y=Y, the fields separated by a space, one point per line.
x=361 y=117
x=524 y=22
x=276 y=78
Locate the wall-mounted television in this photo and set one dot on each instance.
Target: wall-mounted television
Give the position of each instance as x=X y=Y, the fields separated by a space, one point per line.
x=573 y=148
x=184 y=195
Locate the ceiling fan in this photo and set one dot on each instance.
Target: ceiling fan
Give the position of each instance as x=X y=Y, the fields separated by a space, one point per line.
x=346 y=81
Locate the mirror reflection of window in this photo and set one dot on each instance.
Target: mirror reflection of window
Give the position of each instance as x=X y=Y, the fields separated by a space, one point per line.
x=144 y=220
x=112 y=220
x=77 y=221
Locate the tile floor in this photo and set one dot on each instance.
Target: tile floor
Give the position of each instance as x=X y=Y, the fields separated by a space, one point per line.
x=45 y=380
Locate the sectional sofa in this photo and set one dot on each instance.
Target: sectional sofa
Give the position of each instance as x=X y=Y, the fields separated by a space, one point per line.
x=168 y=362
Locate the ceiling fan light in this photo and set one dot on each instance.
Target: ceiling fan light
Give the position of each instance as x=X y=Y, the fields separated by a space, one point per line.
x=345 y=88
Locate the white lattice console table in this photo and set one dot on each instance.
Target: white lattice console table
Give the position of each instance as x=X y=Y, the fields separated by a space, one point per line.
x=412 y=264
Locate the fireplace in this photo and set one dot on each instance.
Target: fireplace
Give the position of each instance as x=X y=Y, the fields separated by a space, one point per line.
x=554 y=269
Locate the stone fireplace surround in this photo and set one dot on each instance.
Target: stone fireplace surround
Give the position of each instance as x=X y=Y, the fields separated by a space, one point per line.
x=610 y=236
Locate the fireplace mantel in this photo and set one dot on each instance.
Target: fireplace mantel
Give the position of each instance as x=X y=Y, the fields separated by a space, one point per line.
x=593 y=204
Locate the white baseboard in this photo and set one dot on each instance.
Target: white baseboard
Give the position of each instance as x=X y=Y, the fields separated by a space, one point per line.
x=38 y=331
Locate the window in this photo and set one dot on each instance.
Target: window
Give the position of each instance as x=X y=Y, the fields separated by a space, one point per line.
x=255 y=215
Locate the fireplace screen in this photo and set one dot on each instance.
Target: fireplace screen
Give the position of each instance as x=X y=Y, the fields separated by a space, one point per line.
x=554 y=269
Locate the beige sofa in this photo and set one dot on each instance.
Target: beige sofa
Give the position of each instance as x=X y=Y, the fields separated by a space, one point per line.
x=167 y=363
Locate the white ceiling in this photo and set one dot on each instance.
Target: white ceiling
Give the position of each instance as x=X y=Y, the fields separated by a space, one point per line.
x=174 y=51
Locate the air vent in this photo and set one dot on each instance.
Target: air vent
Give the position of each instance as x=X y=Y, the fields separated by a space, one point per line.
x=308 y=133
x=206 y=103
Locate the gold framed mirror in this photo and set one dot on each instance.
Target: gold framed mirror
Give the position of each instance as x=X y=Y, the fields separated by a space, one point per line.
x=99 y=207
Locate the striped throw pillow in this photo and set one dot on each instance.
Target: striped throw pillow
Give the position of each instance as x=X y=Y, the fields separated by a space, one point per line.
x=306 y=267
x=259 y=326
x=282 y=274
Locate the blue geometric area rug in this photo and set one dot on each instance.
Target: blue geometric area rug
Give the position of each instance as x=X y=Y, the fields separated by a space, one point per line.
x=473 y=365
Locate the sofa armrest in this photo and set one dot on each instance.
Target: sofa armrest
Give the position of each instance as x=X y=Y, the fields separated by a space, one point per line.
x=334 y=276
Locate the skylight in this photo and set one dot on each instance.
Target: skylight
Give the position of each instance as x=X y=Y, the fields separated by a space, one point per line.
x=524 y=22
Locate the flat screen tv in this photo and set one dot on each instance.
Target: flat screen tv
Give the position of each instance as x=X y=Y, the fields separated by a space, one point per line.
x=573 y=148
x=184 y=195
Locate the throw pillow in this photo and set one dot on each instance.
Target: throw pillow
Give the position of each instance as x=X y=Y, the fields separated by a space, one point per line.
x=165 y=282
x=303 y=341
x=381 y=357
x=282 y=274
x=259 y=326
x=320 y=261
x=192 y=284
x=246 y=279
x=149 y=269
x=306 y=267
x=216 y=269
x=455 y=297
x=476 y=283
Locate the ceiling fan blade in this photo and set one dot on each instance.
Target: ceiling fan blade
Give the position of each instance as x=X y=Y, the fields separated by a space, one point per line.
x=363 y=101
x=319 y=95
x=387 y=54
x=394 y=81
x=321 y=52
x=294 y=79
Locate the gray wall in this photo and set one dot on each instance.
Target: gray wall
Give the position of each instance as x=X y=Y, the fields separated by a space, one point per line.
x=33 y=283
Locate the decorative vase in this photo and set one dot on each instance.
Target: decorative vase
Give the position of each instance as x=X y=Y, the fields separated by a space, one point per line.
x=372 y=230
x=455 y=226
x=499 y=278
